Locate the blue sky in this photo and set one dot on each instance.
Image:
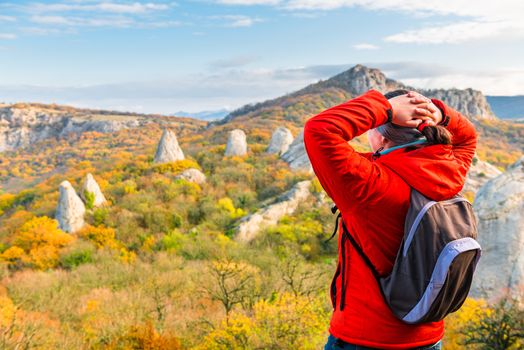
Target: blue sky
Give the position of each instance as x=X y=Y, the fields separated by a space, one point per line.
x=166 y=56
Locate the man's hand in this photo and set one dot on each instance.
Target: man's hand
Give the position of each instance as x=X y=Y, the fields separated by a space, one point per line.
x=424 y=104
x=408 y=113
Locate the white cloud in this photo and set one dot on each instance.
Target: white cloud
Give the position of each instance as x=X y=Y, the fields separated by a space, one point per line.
x=119 y=22
x=477 y=20
x=52 y=20
x=457 y=33
x=233 y=62
x=7 y=36
x=365 y=46
x=132 y=8
x=7 y=19
x=237 y=21
x=242 y=22
x=248 y=2
x=44 y=31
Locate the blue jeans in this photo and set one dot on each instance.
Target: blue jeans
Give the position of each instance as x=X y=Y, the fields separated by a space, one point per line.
x=338 y=344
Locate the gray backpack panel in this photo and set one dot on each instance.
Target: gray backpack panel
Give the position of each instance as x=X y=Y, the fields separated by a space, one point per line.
x=434 y=266
x=436 y=260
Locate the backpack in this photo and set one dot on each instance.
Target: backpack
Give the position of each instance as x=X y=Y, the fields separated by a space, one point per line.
x=434 y=266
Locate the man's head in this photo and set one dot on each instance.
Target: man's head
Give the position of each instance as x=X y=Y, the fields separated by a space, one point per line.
x=410 y=108
x=388 y=134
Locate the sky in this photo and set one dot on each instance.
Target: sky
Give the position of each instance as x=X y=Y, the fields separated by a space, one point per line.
x=198 y=55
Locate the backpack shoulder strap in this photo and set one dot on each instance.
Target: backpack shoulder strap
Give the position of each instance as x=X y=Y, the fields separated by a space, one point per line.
x=360 y=251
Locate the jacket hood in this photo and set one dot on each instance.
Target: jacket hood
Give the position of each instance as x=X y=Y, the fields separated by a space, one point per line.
x=431 y=170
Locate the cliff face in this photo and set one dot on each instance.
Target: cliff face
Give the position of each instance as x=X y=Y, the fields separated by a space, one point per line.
x=469 y=102
x=21 y=126
x=499 y=206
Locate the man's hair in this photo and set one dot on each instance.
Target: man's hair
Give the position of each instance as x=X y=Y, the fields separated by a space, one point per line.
x=395 y=93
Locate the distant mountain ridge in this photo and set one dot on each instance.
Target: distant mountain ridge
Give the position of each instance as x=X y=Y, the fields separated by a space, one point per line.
x=205 y=115
x=508 y=107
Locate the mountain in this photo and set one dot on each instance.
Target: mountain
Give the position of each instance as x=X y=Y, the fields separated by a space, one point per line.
x=507 y=107
x=360 y=79
x=205 y=115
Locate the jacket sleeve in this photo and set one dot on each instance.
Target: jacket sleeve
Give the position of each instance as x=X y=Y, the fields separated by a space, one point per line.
x=341 y=170
x=464 y=136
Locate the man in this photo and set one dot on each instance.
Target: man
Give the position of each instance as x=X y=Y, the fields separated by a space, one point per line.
x=373 y=194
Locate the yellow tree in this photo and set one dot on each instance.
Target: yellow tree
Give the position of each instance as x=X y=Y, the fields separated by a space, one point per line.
x=40 y=240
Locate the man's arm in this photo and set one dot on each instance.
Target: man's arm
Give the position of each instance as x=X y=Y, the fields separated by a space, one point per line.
x=464 y=136
x=340 y=169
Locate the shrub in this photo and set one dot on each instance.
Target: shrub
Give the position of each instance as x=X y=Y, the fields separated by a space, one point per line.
x=81 y=252
x=90 y=199
x=497 y=327
x=100 y=216
x=6 y=201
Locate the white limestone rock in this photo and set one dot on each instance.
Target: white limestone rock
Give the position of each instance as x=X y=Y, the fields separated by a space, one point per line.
x=90 y=185
x=296 y=156
x=168 y=149
x=236 y=143
x=70 y=210
x=499 y=206
x=479 y=173
x=285 y=204
x=192 y=175
x=280 y=141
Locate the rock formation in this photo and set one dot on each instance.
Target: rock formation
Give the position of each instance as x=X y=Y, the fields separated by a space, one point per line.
x=285 y=204
x=90 y=185
x=192 y=175
x=479 y=173
x=236 y=143
x=70 y=210
x=296 y=156
x=280 y=141
x=23 y=125
x=168 y=149
x=499 y=206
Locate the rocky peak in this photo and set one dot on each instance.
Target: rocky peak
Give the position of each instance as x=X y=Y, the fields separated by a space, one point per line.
x=168 y=149
x=70 y=209
x=358 y=80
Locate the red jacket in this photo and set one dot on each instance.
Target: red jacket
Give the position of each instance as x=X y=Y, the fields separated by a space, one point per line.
x=373 y=197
